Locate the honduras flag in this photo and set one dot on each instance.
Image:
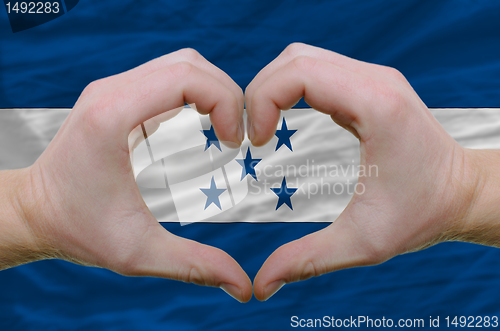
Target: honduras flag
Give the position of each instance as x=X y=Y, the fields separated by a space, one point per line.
x=184 y=172
x=306 y=173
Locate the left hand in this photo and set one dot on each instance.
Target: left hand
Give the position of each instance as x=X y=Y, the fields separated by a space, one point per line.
x=80 y=201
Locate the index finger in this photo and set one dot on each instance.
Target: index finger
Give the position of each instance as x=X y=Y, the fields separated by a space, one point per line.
x=329 y=88
x=116 y=114
x=295 y=50
x=183 y=55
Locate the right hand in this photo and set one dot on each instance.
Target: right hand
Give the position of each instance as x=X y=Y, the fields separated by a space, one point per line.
x=425 y=184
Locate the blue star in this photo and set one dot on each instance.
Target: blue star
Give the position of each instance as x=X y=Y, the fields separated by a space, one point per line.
x=284 y=136
x=212 y=194
x=248 y=165
x=284 y=193
x=211 y=138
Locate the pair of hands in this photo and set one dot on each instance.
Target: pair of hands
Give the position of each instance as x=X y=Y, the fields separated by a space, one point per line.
x=80 y=202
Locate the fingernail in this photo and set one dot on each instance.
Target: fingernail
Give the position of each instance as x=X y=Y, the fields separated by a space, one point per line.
x=232 y=290
x=250 y=129
x=241 y=130
x=273 y=287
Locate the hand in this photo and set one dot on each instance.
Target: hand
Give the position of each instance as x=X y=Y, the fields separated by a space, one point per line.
x=426 y=183
x=80 y=201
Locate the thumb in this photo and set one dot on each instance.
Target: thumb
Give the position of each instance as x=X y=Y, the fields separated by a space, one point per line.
x=335 y=247
x=163 y=254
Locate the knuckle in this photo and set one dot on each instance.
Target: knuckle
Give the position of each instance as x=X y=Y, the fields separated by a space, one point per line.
x=181 y=69
x=393 y=73
x=193 y=271
x=295 y=49
x=97 y=115
x=189 y=54
x=194 y=276
x=376 y=250
x=304 y=63
x=390 y=99
x=93 y=87
x=126 y=263
x=311 y=269
x=390 y=96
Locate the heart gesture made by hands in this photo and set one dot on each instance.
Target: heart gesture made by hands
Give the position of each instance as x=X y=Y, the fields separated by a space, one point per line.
x=79 y=201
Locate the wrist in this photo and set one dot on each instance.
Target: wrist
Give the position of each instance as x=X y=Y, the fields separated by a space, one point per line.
x=18 y=243
x=480 y=220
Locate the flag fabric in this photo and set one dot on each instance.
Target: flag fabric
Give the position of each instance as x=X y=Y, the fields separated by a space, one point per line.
x=184 y=173
x=306 y=173
x=446 y=51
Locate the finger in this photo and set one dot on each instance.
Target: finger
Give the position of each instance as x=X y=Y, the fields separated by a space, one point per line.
x=299 y=49
x=184 y=55
x=343 y=94
x=165 y=255
x=332 y=248
x=124 y=109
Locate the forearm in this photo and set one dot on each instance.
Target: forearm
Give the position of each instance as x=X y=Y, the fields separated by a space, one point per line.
x=481 y=223
x=17 y=242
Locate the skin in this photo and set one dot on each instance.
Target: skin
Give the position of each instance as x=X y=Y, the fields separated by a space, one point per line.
x=428 y=190
x=80 y=202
